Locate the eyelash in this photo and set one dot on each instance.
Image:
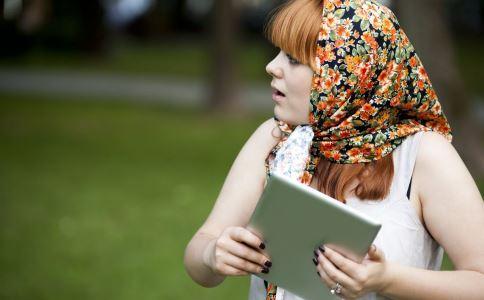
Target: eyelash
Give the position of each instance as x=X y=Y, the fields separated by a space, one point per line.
x=292 y=61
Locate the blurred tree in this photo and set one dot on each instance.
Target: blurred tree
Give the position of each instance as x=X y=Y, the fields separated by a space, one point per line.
x=224 y=85
x=93 y=25
x=426 y=25
x=76 y=25
x=19 y=23
x=35 y=14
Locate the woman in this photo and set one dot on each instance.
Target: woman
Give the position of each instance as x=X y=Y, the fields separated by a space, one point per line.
x=373 y=136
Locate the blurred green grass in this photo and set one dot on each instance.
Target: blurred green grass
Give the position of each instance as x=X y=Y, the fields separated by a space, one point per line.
x=99 y=198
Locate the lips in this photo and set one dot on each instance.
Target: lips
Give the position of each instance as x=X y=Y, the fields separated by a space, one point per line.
x=277 y=96
x=279 y=93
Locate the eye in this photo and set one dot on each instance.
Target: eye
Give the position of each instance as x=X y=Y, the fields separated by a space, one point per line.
x=292 y=60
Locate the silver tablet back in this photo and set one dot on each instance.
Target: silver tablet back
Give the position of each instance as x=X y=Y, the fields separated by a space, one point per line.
x=293 y=219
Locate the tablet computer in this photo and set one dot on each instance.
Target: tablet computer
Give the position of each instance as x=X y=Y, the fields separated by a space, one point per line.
x=293 y=220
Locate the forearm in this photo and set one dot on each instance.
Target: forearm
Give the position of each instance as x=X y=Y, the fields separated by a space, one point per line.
x=195 y=264
x=413 y=283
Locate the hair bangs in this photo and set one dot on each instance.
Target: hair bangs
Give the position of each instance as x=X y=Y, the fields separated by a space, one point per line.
x=294 y=27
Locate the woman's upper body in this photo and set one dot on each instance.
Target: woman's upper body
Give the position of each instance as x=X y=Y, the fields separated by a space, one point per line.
x=444 y=196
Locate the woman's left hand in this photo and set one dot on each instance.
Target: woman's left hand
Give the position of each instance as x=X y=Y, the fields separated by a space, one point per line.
x=355 y=279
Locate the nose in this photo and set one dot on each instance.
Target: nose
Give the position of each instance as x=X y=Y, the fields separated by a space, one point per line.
x=273 y=69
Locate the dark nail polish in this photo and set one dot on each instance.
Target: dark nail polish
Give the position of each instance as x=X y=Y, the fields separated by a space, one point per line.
x=262 y=246
x=318 y=274
x=265 y=270
x=316 y=253
x=321 y=248
x=315 y=261
x=268 y=264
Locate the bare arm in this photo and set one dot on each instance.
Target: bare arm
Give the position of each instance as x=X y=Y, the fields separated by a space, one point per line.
x=453 y=212
x=233 y=207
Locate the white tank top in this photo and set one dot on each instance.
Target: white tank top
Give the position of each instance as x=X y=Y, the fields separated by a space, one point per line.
x=403 y=238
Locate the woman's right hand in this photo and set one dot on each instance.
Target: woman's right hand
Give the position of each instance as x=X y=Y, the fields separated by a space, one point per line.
x=237 y=251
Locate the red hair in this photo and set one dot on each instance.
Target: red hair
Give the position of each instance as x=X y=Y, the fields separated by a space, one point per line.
x=294 y=27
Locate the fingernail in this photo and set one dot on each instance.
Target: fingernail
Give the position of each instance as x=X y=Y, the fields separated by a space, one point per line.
x=316 y=253
x=321 y=248
x=318 y=274
x=268 y=263
x=265 y=270
x=315 y=261
x=262 y=246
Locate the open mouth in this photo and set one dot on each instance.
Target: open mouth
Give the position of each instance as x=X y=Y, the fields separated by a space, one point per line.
x=278 y=93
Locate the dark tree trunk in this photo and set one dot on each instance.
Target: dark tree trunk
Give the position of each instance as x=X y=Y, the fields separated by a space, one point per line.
x=94 y=31
x=425 y=24
x=224 y=94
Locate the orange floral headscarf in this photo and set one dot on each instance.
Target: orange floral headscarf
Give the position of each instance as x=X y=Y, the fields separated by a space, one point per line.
x=370 y=89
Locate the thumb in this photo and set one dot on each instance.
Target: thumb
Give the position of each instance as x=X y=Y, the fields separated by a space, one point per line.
x=376 y=254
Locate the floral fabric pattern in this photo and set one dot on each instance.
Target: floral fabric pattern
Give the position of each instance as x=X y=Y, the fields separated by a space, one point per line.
x=292 y=157
x=369 y=90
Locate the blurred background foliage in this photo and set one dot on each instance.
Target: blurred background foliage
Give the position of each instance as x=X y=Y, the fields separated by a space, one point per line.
x=109 y=113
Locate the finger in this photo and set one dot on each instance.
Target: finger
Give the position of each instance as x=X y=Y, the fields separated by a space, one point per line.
x=334 y=273
x=241 y=234
x=344 y=264
x=331 y=283
x=264 y=252
x=244 y=265
x=232 y=271
x=243 y=251
x=325 y=278
x=376 y=254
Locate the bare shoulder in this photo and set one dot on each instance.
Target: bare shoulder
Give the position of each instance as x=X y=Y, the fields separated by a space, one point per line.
x=260 y=143
x=268 y=132
x=440 y=169
x=433 y=143
x=262 y=140
x=437 y=160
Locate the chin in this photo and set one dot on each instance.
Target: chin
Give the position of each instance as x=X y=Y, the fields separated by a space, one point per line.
x=280 y=116
x=286 y=117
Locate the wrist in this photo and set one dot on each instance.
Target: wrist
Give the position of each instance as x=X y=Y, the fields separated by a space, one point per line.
x=207 y=254
x=388 y=278
x=207 y=260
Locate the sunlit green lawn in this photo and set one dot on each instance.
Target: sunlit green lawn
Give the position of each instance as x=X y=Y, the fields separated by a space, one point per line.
x=98 y=199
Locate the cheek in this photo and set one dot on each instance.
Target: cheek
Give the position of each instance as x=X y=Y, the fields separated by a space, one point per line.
x=299 y=88
x=300 y=105
x=298 y=92
x=302 y=92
